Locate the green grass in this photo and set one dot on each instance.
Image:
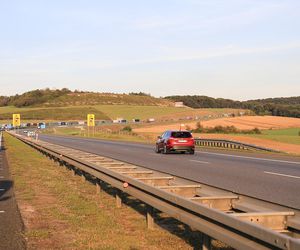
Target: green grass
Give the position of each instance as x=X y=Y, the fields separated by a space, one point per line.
x=117 y=136
x=64 y=114
x=103 y=112
x=290 y=135
x=141 y=112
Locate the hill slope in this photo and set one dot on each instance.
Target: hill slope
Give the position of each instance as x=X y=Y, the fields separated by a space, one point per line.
x=65 y=97
x=284 y=106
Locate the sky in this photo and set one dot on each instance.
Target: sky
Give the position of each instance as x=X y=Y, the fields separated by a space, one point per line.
x=238 y=49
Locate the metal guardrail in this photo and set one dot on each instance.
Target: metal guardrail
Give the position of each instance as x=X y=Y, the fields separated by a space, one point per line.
x=230 y=144
x=1 y=140
x=239 y=221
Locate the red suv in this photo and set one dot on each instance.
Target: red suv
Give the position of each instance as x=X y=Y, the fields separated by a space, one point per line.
x=181 y=141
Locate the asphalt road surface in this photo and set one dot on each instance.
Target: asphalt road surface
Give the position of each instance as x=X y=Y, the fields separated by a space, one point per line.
x=274 y=178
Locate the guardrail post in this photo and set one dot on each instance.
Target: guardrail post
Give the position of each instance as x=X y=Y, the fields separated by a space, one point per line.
x=118 y=200
x=206 y=242
x=98 y=187
x=150 y=217
x=83 y=177
x=0 y=141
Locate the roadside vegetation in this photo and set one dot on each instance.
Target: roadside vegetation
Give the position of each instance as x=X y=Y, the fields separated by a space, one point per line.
x=224 y=130
x=284 y=106
x=62 y=212
x=122 y=134
x=289 y=135
x=65 y=97
x=52 y=114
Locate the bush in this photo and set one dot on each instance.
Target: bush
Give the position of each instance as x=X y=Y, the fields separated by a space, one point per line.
x=225 y=130
x=127 y=128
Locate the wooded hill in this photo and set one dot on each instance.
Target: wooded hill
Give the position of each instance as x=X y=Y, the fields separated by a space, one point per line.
x=65 y=97
x=283 y=106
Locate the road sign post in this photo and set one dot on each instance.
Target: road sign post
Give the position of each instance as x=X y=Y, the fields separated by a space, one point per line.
x=16 y=120
x=90 y=123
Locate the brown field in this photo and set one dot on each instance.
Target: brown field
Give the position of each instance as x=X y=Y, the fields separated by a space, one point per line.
x=280 y=146
x=261 y=122
x=243 y=123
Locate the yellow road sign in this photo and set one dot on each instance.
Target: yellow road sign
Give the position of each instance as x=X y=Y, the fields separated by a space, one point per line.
x=16 y=120
x=91 y=120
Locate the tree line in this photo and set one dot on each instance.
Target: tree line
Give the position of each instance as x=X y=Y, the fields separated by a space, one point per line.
x=283 y=106
x=32 y=98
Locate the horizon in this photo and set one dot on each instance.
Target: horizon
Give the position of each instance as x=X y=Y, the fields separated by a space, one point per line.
x=239 y=50
x=97 y=92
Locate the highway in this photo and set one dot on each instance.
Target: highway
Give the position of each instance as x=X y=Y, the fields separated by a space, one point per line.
x=273 y=178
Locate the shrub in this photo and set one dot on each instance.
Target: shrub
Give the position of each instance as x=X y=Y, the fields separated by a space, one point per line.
x=225 y=130
x=127 y=128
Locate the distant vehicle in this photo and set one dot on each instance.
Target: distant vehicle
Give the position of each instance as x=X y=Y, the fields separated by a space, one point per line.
x=175 y=141
x=136 y=120
x=120 y=120
x=31 y=134
x=25 y=131
x=151 y=120
x=42 y=125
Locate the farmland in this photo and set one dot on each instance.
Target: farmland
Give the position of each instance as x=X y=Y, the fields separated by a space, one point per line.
x=245 y=122
x=281 y=133
x=110 y=112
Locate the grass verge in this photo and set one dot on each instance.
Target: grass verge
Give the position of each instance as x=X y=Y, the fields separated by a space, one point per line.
x=62 y=212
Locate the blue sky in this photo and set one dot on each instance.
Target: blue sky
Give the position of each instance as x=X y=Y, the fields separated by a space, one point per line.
x=239 y=49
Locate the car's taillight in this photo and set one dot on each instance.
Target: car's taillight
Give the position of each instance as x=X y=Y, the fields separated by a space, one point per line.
x=191 y=140
x=170 y=140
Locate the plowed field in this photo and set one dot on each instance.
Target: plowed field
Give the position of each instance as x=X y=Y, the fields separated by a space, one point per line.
x=243 y=123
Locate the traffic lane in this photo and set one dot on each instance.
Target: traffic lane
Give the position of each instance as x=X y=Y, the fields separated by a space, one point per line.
x=213 y=159
x=235 y=174
x=290 y=165
x=255 y=156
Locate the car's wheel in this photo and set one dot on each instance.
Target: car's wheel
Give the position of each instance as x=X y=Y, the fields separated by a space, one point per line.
x=165 y=151
x=192 y=152
x=157 y=149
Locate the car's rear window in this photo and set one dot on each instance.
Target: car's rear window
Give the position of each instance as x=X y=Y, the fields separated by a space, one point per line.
x=181 y=134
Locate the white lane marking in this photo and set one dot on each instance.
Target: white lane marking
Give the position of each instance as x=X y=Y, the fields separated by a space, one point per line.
x=284 y=175
x=1 y=211
x=254 y=158
x=204 y=162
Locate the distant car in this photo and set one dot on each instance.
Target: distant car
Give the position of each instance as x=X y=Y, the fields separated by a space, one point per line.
x=175 y=141
x=25 y=131
x=31 y=134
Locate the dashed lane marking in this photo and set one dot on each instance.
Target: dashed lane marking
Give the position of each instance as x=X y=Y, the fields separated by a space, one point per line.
x=204 y=162
x=284 y=175
x=252 y=158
